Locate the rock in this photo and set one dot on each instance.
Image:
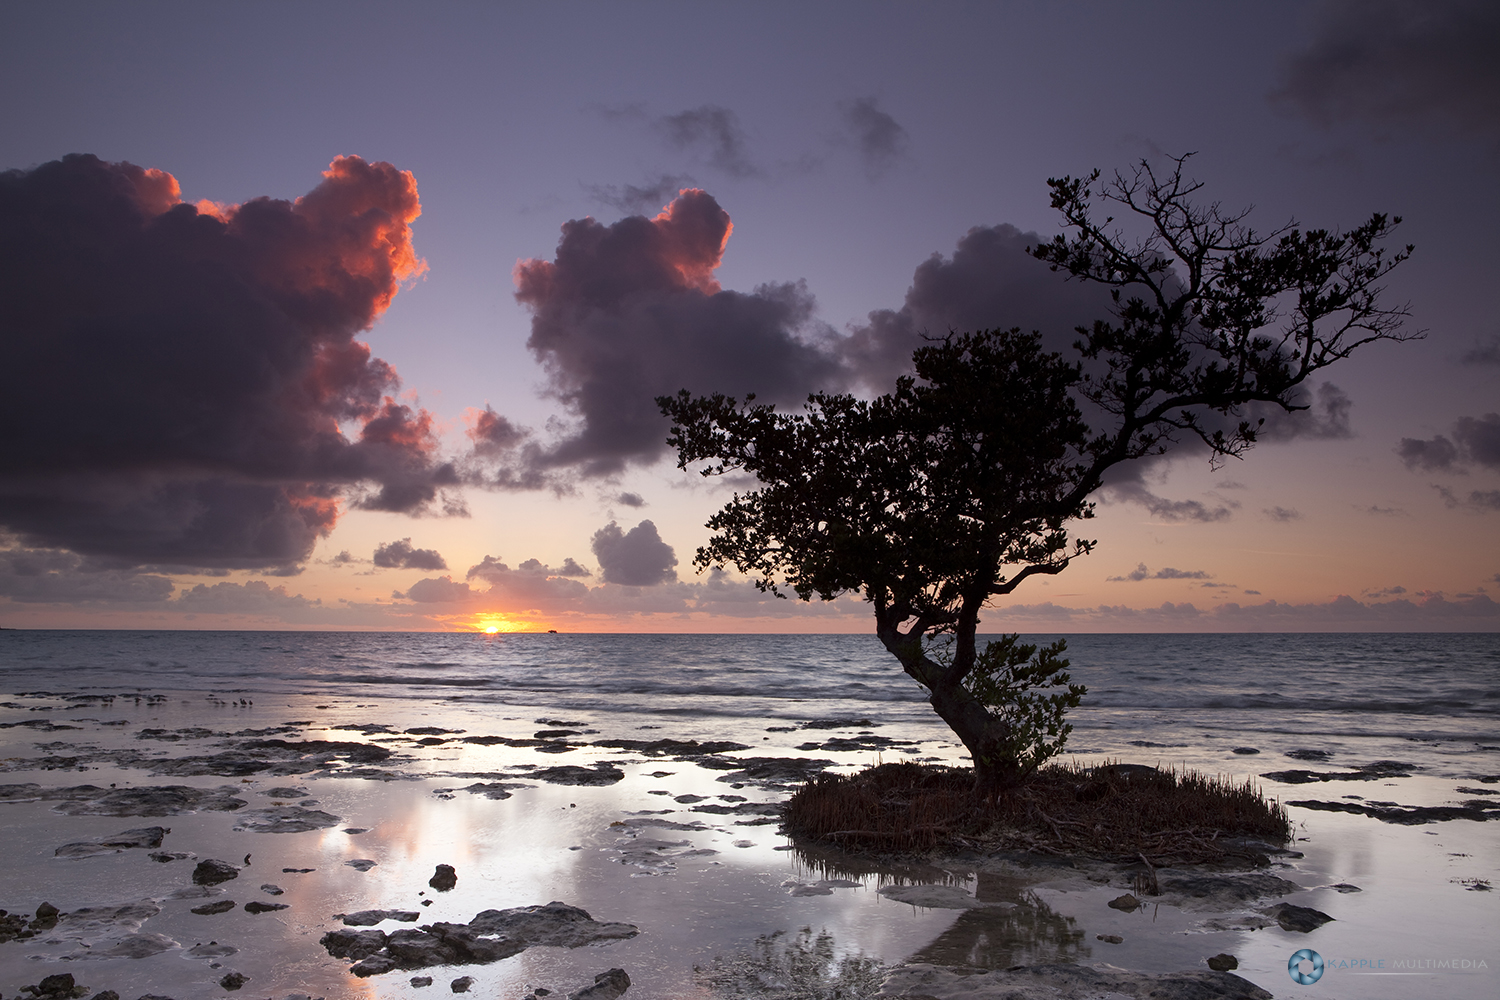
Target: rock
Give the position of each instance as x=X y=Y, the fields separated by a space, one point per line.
x=353 y=944
x=105 y=995
x=607 y=986
x=209 y=909
x=272 y=890
x=234 y=980
x=421 y=981
x=1062 y=981
x=1109 y=938
x=491 y=936
x=58 y=985
x=444 y=878
x=159 y=800
x=297 y=871
x=1345 y=887
x=256 y=906
x=1127 y=903
x=285 y=819
x=1246 y=751
x=1223 y=963
x=146 y=836
x=369 y=918
x=135 y=946
x=213 y=871
x=361 y=864
x=940 y=897
x=1225 y=892
x=1301 y=919
x=572 y=774
x=46 y=918
x=1390 y=812
x=355 y=831
x=283 y=792
x=211 y=952
x=165 y=857
x=461 y=984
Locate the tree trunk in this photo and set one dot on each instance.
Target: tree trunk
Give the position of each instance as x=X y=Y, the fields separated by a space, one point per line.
x=986 y=737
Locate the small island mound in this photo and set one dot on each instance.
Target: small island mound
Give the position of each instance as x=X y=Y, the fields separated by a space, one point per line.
x=1113 y=812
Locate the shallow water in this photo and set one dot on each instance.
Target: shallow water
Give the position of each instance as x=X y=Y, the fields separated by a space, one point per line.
x=1430 y=701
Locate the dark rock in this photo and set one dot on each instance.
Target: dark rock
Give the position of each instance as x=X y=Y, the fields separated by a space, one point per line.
x=839 y=724
x=157 y=800
x=118 y=843
x=374 y=966
x=273 y=890
x=461 y=984
x=1245 y=751
x=209 y=909
x=369 y=918
x=554 y=734
x=46 y=917
x=1223 y=963
x=210 y=952
x=1317 y=755
x=421 y=981
x=361 y=864
x=1301 y=919
x=1390 y=812
x=1109 y=938
x=444 y=878
x=355 y=831
x=105 y=994
x=58 y=985
x=492 y=790
x=165 y=857
x=234 y=980
x=256 y=906
x=285 y=819
x=297 y=871
x=1127 y=903
x=673 y=748
x=285 y=792
x=607 y=986
x=572 y=774
x=214 y=871
x=353 y=944
x=1377 y=771
x=1227 y=891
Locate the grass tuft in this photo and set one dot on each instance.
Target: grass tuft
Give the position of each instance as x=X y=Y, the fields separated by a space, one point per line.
x=1114 y=812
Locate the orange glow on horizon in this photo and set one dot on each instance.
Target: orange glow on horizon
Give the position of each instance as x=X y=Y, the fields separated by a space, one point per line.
x=497 y=623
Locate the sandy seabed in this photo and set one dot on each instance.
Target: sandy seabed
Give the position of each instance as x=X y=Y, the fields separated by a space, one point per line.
x=323 y=810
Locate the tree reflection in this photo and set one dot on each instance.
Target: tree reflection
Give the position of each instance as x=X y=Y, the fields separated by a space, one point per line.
x=993 y=937
x=792 y=967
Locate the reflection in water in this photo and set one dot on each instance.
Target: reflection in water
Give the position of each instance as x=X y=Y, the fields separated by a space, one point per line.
x=802 y=967
x=994 y=937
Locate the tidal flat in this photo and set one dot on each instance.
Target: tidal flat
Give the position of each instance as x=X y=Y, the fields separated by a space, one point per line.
x=331 y=815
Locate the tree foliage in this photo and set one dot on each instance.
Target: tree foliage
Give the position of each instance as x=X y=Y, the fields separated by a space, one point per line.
x=953 y=489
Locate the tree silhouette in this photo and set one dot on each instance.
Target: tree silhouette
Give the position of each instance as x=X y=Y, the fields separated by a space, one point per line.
x=962 y=483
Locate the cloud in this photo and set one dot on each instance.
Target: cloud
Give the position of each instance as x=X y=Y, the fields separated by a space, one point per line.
x=436 y=590
x=631 y=500
x=52 y=576
x=637 y=558
x=1399 y=61
x=1326 y=417
x=713 y=133
x=989 y=282
x=881 y=140
x=1127 y=484
x=400 y=555
x=1282 y=514
x=188 y=375
x=1382 y=511
x=639 y=199
x=1429 y=612
x=1486 y=351
x=1475 y=440
x=251 y=597
x=1166 y=573
x=631 y=311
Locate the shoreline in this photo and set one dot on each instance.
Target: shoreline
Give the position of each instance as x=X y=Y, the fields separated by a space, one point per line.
x=626 y=850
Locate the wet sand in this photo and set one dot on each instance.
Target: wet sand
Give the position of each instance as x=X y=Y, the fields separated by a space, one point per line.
x=344 y=806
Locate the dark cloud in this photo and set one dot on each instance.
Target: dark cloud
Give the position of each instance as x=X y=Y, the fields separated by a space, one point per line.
x=637 y=558
x=1326 y=417
x=1399 y=61
x=1127 y=484
x=1282 y=514
x=631 y=311
x=52 y=576
x=1486 y=351
x=713 y=133
x=638 y=200
x=1375 y=508
x=881 y=140
x=401 y=555
x=436 y=590
x=1476 y=440
x=1478 y=499
x=250 y=597
x=178 y=375
x=631 y=500
x=989 y=282
x=1166 y=573
x=532 y=586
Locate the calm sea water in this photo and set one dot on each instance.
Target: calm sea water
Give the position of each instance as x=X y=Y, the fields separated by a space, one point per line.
x=1173 y=697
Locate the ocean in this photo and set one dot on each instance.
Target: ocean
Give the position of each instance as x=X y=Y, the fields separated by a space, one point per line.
x=1425 y=708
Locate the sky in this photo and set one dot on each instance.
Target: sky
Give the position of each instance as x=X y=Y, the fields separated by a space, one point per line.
x=352 y=315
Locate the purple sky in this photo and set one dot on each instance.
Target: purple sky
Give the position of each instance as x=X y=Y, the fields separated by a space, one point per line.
x=292 y=402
